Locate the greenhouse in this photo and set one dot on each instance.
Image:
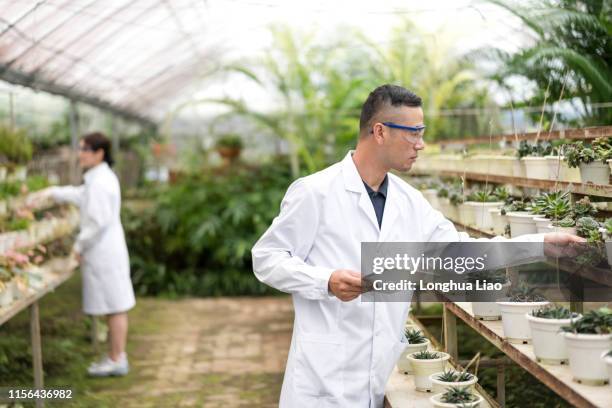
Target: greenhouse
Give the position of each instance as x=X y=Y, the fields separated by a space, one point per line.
x=215 y=203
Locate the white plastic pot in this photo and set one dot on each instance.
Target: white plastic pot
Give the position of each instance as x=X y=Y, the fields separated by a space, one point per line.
x=536 y=167
x=424 y=368
x=584 y=352
x=449 y=210
x=437 y=403
x=504 y=165
x=521 y=223
x=403 y=364
x=610 y=164
x=559 y=170
x=596 y=172
x=543 y=225
x=516 y=326
x=548 y=342
x=484 y=305
x=499 y=221
x=441 y=386
x=608 y=360
x=482 y=217
x=518 y=168
x=466 y=214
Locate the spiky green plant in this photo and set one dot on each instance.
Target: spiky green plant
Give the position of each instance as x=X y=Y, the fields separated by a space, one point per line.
x=524 y=293
x=458 y=395
x=592 y=322
x=588 y=227
x=415 y=336
x=454 y=376
x=426 y=355
x=553 y=312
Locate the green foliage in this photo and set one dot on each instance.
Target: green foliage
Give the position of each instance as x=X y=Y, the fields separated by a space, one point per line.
x=583 y=208
x=524 y=293
x=571 y=52
x=414 y=336
x=578 y=153
x=458 y=395
x=592 y=322
x=15 y=146
x=501 y=193
x=454 y=376
x=553 y=312
x=555 y=205
x=566 y=222
x=197 y=237
x=482 y=197
x=230 y=141
x=588 y=227
x=426 y=355
x=516 y=205
x=539 y=149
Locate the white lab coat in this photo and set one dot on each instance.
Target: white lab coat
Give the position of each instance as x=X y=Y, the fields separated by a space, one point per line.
x=342 y=353
x=107 y=287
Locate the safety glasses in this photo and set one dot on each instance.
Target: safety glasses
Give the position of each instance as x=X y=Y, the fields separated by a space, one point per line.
x=414 y=133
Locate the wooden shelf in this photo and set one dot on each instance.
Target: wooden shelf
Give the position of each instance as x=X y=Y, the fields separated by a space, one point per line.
x=557 y=378
x=599 y=190
x=58 y=271
x=571 y=134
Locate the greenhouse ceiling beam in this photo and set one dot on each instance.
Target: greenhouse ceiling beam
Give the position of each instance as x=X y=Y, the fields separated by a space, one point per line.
x=32 y=81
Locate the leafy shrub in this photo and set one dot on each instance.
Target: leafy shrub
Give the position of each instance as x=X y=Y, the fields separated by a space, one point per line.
x=592 y=322
x=197 y=237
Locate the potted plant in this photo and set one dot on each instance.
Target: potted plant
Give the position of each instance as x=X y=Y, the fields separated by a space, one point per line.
x=523 y=300
x=16 y=152
x=425 y=363
x=586 y=339
x=229 y=146
x=455 y=199
x=520 y=218
x=548 y=343
x=456 y=397
x=591 y=160
x=607 y=358
x=484 y=306
x=481 y=201
x=533 y=157
x=416 y=342
x=430 y=192
x=447 y=379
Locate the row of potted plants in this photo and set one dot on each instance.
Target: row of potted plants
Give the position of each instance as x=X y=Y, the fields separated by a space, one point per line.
x=22 y=272
x=558 y=335
x=574 y=162
x=451 y=388
x=26 y=232
x=14 y=194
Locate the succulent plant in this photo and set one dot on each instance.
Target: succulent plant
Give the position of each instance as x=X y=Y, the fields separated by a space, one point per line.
x=426 y=355
x=454 y=376
x=415 y=336
x=458 y=395
x=554 y=312
x=566 y=222
x=588 y=227
x=592 y=322
x=583 y=208
x=524 y=293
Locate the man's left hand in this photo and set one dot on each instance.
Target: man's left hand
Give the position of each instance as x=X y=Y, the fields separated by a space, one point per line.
x=559 y=244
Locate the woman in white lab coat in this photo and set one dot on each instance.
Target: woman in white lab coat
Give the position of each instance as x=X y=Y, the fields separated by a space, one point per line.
x=101 y=249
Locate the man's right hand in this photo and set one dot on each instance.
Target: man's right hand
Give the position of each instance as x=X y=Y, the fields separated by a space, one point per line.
x=345 y=284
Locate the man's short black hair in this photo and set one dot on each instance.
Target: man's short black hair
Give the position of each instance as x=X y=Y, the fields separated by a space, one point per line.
x=387 y=94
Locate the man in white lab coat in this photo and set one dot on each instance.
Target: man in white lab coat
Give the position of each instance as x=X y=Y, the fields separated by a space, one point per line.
x=343 y=350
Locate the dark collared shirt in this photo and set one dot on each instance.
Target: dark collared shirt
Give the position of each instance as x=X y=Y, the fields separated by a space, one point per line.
x=378 y=198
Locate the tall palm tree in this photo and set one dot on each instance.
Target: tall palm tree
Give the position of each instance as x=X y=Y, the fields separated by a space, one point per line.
x=571 y=54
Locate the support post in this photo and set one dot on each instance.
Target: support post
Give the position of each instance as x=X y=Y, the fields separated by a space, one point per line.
x=74 y=142
x=36 y=350
x=450 y=333
x=501 y=385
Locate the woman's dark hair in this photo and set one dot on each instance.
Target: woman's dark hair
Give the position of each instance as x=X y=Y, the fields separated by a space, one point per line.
x=97 y=141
